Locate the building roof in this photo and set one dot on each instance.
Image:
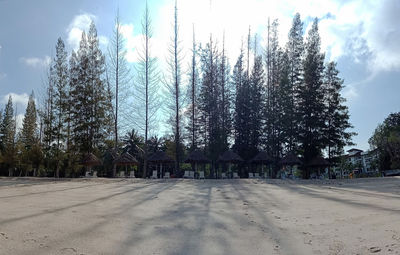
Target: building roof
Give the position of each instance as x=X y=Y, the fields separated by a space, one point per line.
x=126 y=159
x=354 y=149
x=111 y=153
x=160 y=157
x=261 y=158
x=290 y=160
x=230 y=157
x=91 y=160
x=196 y=157
x=318 y=162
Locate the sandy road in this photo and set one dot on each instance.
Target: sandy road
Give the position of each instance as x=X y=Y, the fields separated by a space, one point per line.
x=199 y=217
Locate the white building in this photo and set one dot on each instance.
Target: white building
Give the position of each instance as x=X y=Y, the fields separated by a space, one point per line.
x=362 y=160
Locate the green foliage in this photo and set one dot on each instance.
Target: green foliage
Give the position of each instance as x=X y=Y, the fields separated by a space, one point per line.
x=310 y=98
x=8 y=134
x=386 y=140
x=336 y=131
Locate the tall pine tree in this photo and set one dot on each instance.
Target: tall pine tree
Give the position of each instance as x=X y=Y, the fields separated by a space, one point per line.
x=311 y=98
x=336 y=115
x=7 y=132
x=295 y=52
x=60 y=69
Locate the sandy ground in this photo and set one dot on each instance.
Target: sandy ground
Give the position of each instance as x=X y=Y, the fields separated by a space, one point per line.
x=199 y=217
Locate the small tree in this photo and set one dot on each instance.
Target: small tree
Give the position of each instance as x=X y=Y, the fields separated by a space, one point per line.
x=7 y=131
x=28 y=135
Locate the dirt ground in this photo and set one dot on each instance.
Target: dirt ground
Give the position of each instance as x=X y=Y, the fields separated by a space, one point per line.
x=125 y=216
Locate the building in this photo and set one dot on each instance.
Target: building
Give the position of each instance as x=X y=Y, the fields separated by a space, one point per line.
x=362 y=160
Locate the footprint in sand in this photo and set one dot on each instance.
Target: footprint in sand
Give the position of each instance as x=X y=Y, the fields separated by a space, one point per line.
x=374 y=249
x=4 y=235
x=30 y=240
x=66 y=251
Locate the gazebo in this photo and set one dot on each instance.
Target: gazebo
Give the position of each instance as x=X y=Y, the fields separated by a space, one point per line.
x=197 y=157
x=230 y=157
x=318 y=163
x=160 y=157
x=111 y=154
x=108 y=159
x=90 y=160
x=126 y=160
x=262 y=158
x=290 y=160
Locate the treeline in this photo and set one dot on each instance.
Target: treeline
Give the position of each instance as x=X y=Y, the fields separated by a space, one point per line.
x=386 y=140
x=279 y=99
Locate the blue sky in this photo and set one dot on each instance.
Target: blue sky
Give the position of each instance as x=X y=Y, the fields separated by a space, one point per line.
x=362 y=36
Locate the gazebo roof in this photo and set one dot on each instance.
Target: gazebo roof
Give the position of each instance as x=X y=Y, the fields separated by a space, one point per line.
x=230 y=157
x=197 y=157
x=160 y=157
x=126 y=159
x=290 y=159
x=91 y=160
x=261 y=158
x=318 y=162
x=112 y=153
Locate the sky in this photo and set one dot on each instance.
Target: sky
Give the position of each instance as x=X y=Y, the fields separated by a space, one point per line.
x=362 y=36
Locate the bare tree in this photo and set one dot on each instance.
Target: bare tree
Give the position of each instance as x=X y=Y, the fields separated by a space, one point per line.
x=118 y=75
x=192 y=95
x=173 y=86
x=146 y=98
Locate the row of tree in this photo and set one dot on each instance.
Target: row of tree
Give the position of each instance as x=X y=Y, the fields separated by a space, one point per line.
x=286 y=100
x=386 y=141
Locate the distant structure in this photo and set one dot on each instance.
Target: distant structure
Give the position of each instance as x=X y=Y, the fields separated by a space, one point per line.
x=362 y=160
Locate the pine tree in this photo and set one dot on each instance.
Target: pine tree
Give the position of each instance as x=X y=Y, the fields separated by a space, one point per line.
x=48 y=114
x=213 y=100
x=60 y=69
x=242 y=109
x=80 y=97
x=295 y=52
x=287 y=107
x=8 y=134
x=225 y=99
x=101 y=120
x=29 y=126
x=70 y=152
x=311 y=95
x=257 y=83
x=28 y=137
x=1 y=134
x=273 y=112
x=91 y=110
x=336 y=114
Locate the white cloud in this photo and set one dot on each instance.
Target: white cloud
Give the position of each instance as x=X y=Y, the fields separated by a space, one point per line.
x=364 y=28
x=20 y=121
x=36 y=62
x=79 y=24
x=103 y=40
x=356 y=28
x=132 y=42
x=2 y=75
x=20 y=99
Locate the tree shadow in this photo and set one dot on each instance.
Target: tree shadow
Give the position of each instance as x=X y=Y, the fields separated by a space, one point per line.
x=73 y=206
x=318 y=194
